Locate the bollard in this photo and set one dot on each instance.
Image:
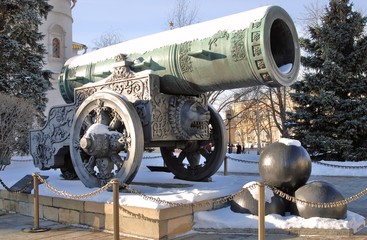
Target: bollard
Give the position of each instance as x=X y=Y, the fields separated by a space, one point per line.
x=225 y=166
x=36 y=221
x=36 y=202
x=261 y=212
x=116 y=205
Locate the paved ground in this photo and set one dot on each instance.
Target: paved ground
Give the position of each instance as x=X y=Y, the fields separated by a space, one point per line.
x=15 y=226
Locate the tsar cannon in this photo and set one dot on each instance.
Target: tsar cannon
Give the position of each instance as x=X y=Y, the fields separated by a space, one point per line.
x=152 y=92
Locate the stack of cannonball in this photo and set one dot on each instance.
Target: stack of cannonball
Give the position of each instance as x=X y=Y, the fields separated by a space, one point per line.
x=286 y=165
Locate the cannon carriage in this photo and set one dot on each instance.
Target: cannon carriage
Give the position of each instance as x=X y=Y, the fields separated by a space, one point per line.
x=151 y=92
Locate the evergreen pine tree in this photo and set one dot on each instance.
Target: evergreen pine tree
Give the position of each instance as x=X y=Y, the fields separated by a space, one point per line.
x=331 y=114
x=21 y=53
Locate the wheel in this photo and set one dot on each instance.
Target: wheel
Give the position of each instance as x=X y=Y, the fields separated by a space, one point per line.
x=68 y=171
x=199 y=160
x=106 y=140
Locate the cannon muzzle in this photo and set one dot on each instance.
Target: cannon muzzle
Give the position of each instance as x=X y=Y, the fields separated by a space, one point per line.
x=257 y=47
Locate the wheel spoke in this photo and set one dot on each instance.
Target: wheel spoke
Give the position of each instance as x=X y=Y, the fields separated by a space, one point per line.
x=205 y=153
x=88 y=121
x=181 y=157
x=117 y=161
x=90 y=164
x=115 y=122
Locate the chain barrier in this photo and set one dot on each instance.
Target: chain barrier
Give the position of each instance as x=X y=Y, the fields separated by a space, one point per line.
x=151 y=157
x=160 y=201
x=316 y=162
x=204 y=203
x=242 y=161
x=318 y=205
x=21 y=160
x=198 y=204
x=16 y=191
x=138 y=215
x=339 y=166
x=73 y=196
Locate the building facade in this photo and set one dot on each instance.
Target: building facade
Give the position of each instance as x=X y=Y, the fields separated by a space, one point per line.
x=57 y=29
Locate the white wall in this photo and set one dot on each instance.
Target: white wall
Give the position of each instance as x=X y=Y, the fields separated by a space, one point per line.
x=58 y=24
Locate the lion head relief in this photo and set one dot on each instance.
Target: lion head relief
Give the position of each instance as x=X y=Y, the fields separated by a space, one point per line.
x=188 y=117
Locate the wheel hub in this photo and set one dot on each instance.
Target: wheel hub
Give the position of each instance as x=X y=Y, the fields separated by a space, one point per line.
x=99 y=141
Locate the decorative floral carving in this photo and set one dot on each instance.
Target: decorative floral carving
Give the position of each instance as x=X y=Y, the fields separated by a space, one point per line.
x=256 y=51
x=255 y=36
x=184 y=59
x=238 y=45
x=256 y=24
x=161 y=128
x=46 y=142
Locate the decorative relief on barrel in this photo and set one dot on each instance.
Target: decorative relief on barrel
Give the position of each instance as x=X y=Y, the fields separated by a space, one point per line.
x=266 y=77
x=256 y=24
x=72 y=72
x=260 y=64
x=255 y=36
x=184 y=59
x=216 y=37
x=256 y=51
x=238 y=45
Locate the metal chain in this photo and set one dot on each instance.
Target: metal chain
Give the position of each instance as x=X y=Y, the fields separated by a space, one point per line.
x=74 y=196
x=138 y=215
x=19 y=190
x=338 y=166
x=151 y=157
x=241 y=160
x=198 y=204
x=22 y=160
x=318 y=205
x=317 y=162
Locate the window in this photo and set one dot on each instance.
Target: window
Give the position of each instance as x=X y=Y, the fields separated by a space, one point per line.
x=56 y=48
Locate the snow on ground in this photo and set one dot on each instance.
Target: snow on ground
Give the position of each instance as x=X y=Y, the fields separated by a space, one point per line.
x=188 y=192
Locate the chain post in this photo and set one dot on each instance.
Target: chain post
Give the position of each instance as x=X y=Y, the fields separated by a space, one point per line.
x=36 y=202
x=36 y=228
x=225 y=166
x=261 y=211
x=116 y=207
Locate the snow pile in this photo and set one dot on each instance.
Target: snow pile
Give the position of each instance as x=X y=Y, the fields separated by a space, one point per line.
x=220 y=219
x=290 y=142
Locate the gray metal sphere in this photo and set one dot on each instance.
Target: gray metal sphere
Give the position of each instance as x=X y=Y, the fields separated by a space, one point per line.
x=246 y=203
x=321 y=192
x=285 y=166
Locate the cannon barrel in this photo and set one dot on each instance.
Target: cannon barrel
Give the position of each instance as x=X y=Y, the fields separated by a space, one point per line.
x=257 y=47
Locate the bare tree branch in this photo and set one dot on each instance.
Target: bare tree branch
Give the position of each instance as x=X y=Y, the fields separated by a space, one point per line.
x=183 y=14
x=106 y=39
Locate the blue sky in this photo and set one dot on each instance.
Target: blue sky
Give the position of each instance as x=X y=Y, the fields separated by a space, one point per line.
x=132 y=19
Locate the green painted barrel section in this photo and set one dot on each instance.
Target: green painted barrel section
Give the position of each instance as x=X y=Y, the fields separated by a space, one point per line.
x=266 y=52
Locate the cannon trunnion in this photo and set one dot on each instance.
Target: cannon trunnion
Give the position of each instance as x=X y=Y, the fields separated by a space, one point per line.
x=151 y=92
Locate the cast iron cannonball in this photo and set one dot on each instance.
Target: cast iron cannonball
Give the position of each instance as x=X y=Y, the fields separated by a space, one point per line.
x=285 y=166
x=319 y=192
x=246 y=202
